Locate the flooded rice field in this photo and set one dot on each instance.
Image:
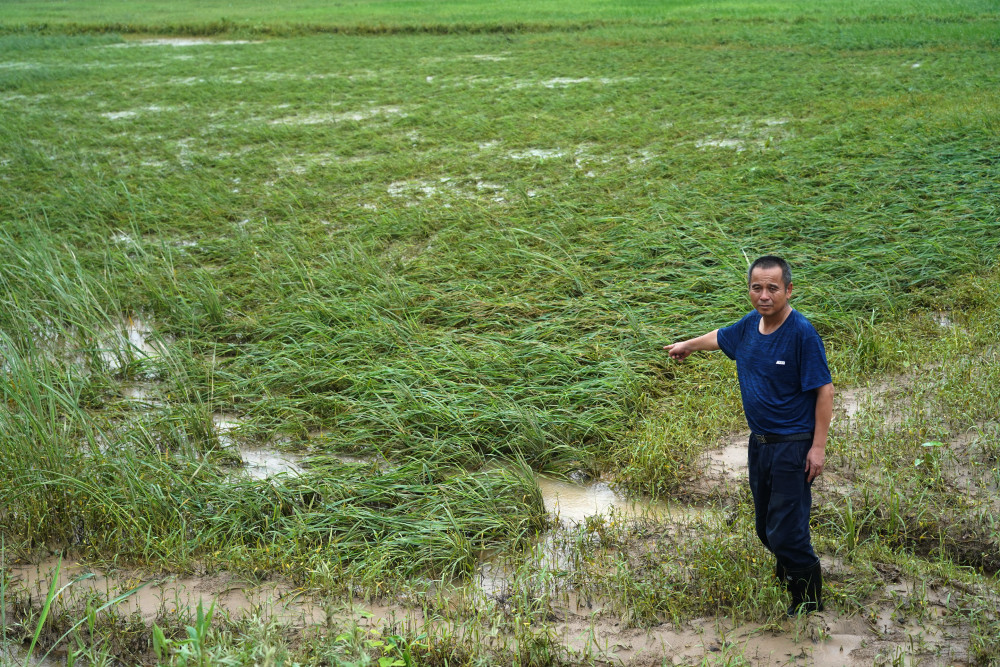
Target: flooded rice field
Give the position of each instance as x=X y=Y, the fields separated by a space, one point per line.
x=593 y=528
x=910 y=617
x=350 y=329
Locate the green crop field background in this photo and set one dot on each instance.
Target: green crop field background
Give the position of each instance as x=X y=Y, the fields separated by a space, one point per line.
x=379 y=15
x=455 y=237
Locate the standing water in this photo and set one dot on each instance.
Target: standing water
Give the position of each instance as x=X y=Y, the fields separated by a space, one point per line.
x=573 y=502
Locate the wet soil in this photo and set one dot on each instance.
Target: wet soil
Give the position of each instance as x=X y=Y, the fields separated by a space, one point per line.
x=828 y=639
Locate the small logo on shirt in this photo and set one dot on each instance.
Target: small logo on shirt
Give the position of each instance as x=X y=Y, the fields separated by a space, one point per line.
x=780 y=363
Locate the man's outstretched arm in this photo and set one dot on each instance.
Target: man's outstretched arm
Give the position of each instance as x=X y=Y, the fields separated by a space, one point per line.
x=705 y=343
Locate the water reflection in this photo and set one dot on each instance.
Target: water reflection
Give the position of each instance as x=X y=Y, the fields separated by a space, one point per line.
x=133 y=340
x=267 y=463
x=573 y=502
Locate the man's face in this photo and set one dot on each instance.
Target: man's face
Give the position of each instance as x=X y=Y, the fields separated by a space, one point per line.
x=768 y=293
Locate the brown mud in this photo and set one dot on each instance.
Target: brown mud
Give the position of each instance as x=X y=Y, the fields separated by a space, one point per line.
x=881 y=634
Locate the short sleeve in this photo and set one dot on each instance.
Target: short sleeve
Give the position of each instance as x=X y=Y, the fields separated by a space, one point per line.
x=814 y=371
x=729 y=337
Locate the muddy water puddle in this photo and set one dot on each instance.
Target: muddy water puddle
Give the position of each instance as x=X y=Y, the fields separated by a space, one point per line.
x=264 y=464
x=134 y=339
x=113 y=346
x=258 y=462
x=157 y=596
x=574 y=502
x=182 y=41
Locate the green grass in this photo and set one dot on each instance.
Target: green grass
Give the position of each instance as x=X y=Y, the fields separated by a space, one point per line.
x=458 y=248
x=369 y=16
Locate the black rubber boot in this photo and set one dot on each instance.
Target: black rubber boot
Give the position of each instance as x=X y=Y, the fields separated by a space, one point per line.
x=781 y=575
x=806 y=587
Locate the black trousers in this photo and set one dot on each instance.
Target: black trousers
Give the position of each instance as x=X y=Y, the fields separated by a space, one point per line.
x=782 y=500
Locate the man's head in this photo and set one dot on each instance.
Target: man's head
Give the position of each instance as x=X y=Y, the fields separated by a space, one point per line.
x=769 y=281
x=771 y=262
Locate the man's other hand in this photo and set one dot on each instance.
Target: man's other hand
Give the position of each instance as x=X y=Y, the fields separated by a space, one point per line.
x=814 y=462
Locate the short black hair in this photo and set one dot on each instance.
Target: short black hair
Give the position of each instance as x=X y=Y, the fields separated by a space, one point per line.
x=770 y=262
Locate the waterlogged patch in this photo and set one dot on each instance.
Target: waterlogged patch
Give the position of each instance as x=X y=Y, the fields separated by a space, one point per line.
x=730 y=461
x=566 y=82
x=19 y=65
x=496 y=579
x=185 y=81
x=943 y=319
x=585 y=156
x=446 y=187
x=309 y=119
x=910 y=622
x=537 y=154
x=642 y=157
x=17 y=97
x=258 y=462
x=374 y=112
x=563 y=82
x=268 y=463
x=112 y=346
x=738 y=144
x=481 y=57
x=322 y=119
x=182 y=41
x=135 y=339
x=132 y=113
x=743 y=135
x=414 y=188
x=226 y=425
x=121 y=238
x=165 y=595
x=142 y=393
x=574 y=502
x=184 y=152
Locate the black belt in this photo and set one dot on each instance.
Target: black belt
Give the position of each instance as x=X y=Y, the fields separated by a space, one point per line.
x=771 y=438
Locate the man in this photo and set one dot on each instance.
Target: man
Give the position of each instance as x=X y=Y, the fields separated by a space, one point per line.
x=787 y=396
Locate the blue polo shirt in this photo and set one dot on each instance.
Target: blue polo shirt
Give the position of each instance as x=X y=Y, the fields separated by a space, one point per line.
x=778 y=372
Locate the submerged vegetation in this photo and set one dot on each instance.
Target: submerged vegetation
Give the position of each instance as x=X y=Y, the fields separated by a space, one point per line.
x=434 y=263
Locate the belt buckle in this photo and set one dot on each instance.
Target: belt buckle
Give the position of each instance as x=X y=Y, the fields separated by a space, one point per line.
x=760 y=438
